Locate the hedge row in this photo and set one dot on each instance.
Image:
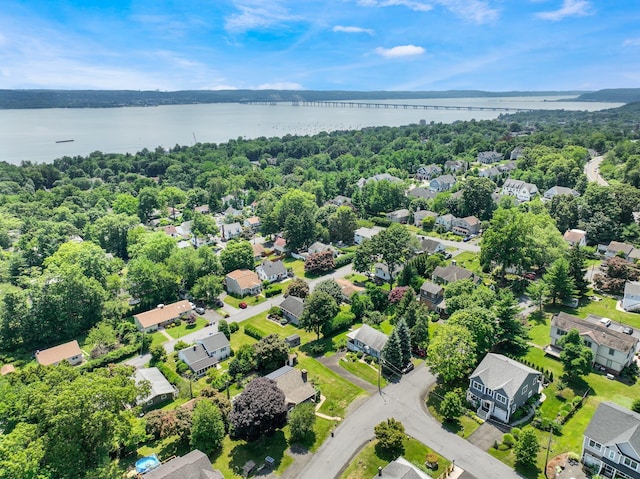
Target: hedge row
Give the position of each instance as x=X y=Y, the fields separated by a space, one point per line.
x=172 y=376
x=344 y=259
x=254 y=332
x=273 y=291
x=112 y=357
x=547 y=373
x=341 y=322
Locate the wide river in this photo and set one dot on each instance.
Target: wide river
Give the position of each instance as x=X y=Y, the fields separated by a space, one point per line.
x=32 y=135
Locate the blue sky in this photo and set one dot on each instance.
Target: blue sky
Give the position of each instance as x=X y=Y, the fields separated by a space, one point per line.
x=494 y=45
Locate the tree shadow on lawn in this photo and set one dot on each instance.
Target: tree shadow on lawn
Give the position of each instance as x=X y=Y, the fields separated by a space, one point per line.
x=274 y=445
x=529 y=471
x=388 y=455
x=318 y=347
x=537 y=317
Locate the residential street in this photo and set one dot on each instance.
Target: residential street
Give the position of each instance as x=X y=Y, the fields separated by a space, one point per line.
x=402 y=401
x=592 y=170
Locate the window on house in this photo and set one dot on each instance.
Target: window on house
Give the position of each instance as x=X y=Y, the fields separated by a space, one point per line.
x=611 y=454
x=594 y=445
x=630 y=463
x=612 y=351
x=501 y=399
x=164 y=396
x=588 y=344
x=525 y=388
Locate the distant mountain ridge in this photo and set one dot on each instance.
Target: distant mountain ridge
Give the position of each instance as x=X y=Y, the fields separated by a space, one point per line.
x=618 y=95
x=28 y=99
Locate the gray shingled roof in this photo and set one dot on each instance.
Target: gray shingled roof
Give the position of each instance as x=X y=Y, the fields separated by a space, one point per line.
x=452 y=273
x=197 y=358
x=596 y=331
x=290 y=382
x=371 y=337
x=215 y=342
x=632 y=288
x=272 y=268
x=159 y=384
x=500 y=372
x=431 y=288
x=292 y=305
x=194 y=465
x=614 y=425
x=429 y=245
x=420 y=192
x=402 y=469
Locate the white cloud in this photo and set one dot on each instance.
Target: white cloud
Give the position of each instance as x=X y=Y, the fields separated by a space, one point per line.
x=417 y=5
x=400 y=51
x=570 y=8
x=280 y=86
x=258 y=14
x=631 y=42
x=476 y=11
x=341 y=28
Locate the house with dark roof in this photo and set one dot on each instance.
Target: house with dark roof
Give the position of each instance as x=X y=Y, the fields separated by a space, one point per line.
x=426 y=172
x=432 y=246
x=367 y=340
x=194 y=465
x=611 y=443
x=243 y=282
x=631 y=299
x=432 y=295
x=69 y=352
x=488 y=157
x=161 y=316
x=420 y=192
x=442 y=183
x=271 y=271
x=611 y=349
x=206 y=353
x=559 y=190
x=160 y=389
x=399 y=216
x=452 y=273
x=500 y=385
x=292 y=308
x=293 y=383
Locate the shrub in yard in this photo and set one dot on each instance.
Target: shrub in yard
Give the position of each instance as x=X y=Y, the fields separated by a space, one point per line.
x=254 y=332
x=223 y=327
x=180 y=344
x=182 y=367
x=508 y=440
x=233 y=327
x=344 y=259
x=515 y=432
x=359 y=354
x=390 y=435
x=316 y=349
x=275 y=311
x=339 y=344
x=636 y=405
x=177 y=322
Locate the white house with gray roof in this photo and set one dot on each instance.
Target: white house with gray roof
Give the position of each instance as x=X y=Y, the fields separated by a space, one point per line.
x=631 y=299
x=611 y=442
x=611 y=349
x=194 y=465
x=206 y=353
x=271 y=271
x=367 y=340
x=364 y=233
x=292 y=308
x=500 y=385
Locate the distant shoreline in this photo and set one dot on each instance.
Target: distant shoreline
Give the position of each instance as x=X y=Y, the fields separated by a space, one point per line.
x=37 y=99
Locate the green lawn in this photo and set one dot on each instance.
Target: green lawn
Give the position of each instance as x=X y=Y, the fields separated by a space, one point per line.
x=365 y=464
x=250 y=300
x=297 y=265
x=470 y=261
x=338 y=391
x=464 y=426
x=184 y=328
x=364 y=371
x=606 y=308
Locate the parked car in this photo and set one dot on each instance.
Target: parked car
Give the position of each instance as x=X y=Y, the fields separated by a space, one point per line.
x=421 y=353
x=447 y=255
x=530 y=276
x=219 y=303
x=199 y=310
x=466 y=238
x=408 y=368
x=193 y=306
x=627 y=330
x=243 y=305
x=605 y=322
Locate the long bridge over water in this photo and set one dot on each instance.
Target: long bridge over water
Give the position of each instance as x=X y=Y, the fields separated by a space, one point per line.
x=389 y=106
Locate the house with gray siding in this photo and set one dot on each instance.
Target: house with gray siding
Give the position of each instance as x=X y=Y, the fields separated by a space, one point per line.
x=611 y=442
x=500 y=385
x=160 y=390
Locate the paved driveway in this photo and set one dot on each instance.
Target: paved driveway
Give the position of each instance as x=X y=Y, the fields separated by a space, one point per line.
x=486 y=436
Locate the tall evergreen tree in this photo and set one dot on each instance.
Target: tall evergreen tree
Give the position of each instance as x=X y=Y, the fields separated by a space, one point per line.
x=560 y=283
x=577 y=269
x=404 y=335
x=420 y=332
x=510 y=334
x=391 y=355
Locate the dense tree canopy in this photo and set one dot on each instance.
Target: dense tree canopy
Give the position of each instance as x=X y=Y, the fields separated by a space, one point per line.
x=260 y=409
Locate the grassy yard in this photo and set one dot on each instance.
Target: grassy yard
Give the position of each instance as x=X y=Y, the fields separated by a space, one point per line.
x=464 y=426
x=297 y=266
x=606 y=307
x=338 y=391
x=184 y=328
x=365 y=464
x=470 y=261
x=250 y=300
x=364 y=371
